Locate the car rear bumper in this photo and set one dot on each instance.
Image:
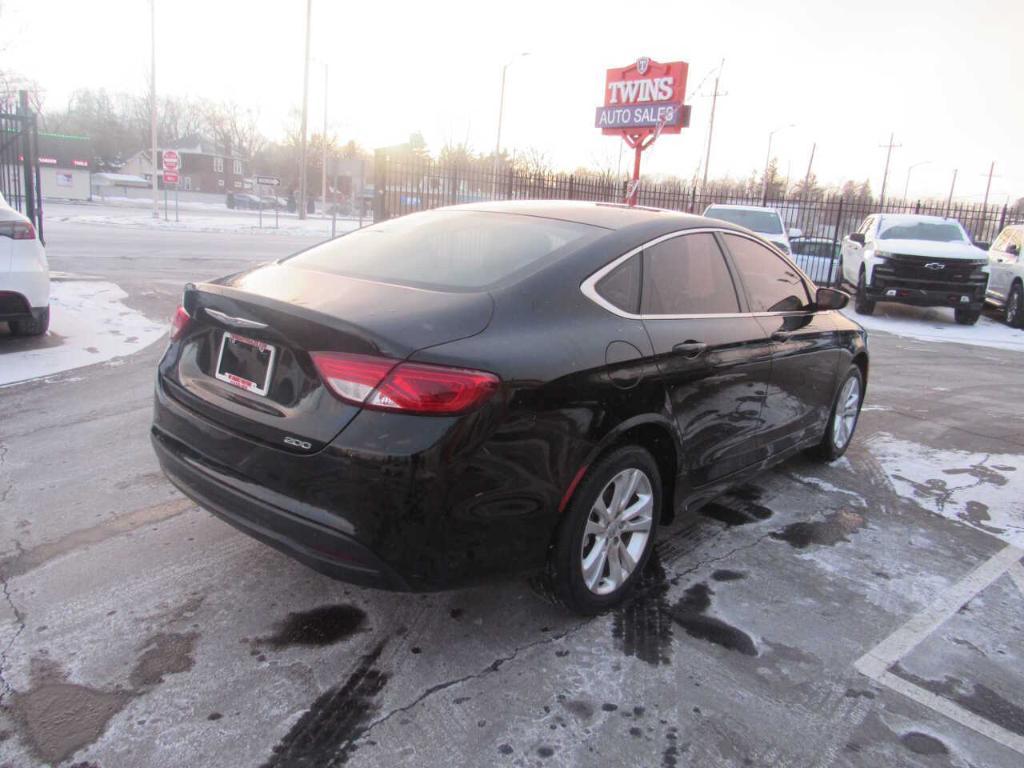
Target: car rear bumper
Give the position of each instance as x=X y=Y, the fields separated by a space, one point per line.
x=319 y=546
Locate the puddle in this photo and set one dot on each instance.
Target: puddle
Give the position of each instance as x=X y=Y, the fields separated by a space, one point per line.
x=976 y=513
x=689 y=613
x=327 y=732
x=163 y=654
x=723 y=574
x=641 y=626
x=923 y=744
x=736 y=512
x=59 y=718
x=828 y=532
x=325 y=625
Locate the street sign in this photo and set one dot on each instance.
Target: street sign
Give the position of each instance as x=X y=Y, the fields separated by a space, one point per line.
x=171 y=160
x=170 y=177
x=268 y=181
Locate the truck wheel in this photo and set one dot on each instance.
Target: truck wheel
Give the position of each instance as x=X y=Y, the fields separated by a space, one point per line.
x=967 y=316
x=862 y=303
x=1014 y=310
x=37 y=325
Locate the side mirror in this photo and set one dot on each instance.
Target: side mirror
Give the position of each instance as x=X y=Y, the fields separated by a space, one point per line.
x=830 y=298
x=1013 y=249
x=794 y=232
x=857 y=237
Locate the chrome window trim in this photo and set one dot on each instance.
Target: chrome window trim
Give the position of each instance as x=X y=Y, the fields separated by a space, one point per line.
x=589 y=286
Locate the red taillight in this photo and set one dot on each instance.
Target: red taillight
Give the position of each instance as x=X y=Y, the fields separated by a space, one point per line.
x=179 y=323
x=18 y=230
x=377 y=382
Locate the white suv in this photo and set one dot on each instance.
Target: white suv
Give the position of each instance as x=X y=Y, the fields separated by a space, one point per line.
x=1006 y=275
x=764 y=221
x=24 y=275
x=926 y=261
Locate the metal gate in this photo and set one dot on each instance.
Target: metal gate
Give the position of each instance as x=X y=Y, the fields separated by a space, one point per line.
x=19 y=161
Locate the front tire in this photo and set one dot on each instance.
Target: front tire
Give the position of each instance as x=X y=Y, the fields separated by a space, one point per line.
x=862 y=303
x=37 y=325
x=607 y=534
x=1013 y=312
x=966 y=316
x=843 y=418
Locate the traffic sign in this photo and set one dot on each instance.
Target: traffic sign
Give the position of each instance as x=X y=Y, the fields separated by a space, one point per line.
x=171 y=160
x=268 y=181
x=170 y=177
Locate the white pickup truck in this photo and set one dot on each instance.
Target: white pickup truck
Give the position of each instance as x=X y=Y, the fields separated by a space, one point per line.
x=927 y=261
x=1006 y=281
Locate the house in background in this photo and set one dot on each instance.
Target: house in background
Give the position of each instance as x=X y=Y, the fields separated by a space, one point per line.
x=64 y=166
x=205 y=166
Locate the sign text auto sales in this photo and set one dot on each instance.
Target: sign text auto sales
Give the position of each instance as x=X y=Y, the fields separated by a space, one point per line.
x=644 y=95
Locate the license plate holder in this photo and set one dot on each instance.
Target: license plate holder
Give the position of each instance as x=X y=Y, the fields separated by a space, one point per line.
x=245 y=363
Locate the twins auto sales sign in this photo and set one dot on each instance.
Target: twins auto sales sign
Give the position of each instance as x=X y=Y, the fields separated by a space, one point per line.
x=642 y=96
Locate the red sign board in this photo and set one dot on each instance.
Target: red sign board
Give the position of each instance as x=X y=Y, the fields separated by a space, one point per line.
x=170 y=177
x=171 y=160
x=642 y=97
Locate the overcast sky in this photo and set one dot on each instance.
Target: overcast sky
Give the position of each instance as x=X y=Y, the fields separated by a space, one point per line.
x=944 y=76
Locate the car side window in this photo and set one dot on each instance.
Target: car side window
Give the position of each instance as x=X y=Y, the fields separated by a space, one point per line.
x=773 y=285
x=687 y=275
x=1003 y=241
x=621 y=286
x=867 y=226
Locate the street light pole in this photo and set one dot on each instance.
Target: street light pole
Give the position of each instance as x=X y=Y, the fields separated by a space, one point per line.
x=906 y=186
x=767 y=162
x=501 y=115
x=323 y=146
x=152 y=103
x=885 y=174
x=305 y=114
x=949 y=201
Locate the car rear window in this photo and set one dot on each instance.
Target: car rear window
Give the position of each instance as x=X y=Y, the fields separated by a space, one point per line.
x=767 y=222
x=453 y=250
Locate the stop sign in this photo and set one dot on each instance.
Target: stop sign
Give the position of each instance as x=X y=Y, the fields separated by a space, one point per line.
x=171 y=160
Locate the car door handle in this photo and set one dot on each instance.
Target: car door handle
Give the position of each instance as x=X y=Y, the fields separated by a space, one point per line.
x=690 y=348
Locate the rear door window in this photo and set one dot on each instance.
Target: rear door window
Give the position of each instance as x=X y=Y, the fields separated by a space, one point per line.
x=621 y=286
x=687 y=275
x=772 y=283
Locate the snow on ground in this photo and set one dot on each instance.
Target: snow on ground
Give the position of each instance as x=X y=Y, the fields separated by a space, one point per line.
x=983 y=491
x=89 y=324
x=198 y=222
x=821 y=269
x=937 y=324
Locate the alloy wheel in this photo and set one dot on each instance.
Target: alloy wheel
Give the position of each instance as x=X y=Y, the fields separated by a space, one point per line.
x=847 y=410
x=1013 y=307
x=618 y=528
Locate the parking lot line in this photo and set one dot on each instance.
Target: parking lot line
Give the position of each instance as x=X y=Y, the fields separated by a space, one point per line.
x=876 y=663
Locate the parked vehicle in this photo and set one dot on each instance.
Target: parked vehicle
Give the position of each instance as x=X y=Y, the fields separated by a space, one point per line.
x=24 y=275
x=1006 y=275
x=926 y=261
x=246 y=201
x=765 y=221
x=501 y=386
x=818 y=257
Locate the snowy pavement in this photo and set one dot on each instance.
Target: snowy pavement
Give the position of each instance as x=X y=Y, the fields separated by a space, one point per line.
x=937 y=324
x=89 y=323
x=244 y=222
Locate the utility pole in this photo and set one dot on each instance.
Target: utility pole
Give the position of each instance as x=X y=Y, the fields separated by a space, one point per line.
x=501 y=115
x=949 y=201
x=988 y=186
x=768 y=160
x=152 y=103
x=711 y=126
x=906 y=185
x=885 y=175
x=807 y=177
x=323 y=146
x=305 y=114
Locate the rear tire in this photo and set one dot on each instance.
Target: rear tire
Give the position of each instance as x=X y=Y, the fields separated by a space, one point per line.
x=843 y=418
x=966 y=316
x=607 y=532
x=862 y=303
x=36 y=325
x=1013 y=312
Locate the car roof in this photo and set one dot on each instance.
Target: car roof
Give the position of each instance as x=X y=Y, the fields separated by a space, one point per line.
x=736 y=207
x=917 y=217
x=606 y=215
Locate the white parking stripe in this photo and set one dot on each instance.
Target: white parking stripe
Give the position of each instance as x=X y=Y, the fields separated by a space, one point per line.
x=875 y=663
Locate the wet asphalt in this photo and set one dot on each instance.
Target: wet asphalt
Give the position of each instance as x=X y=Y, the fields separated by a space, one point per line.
x=137 y=630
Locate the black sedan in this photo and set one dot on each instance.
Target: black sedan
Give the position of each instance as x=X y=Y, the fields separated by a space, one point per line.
x=499 y=387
